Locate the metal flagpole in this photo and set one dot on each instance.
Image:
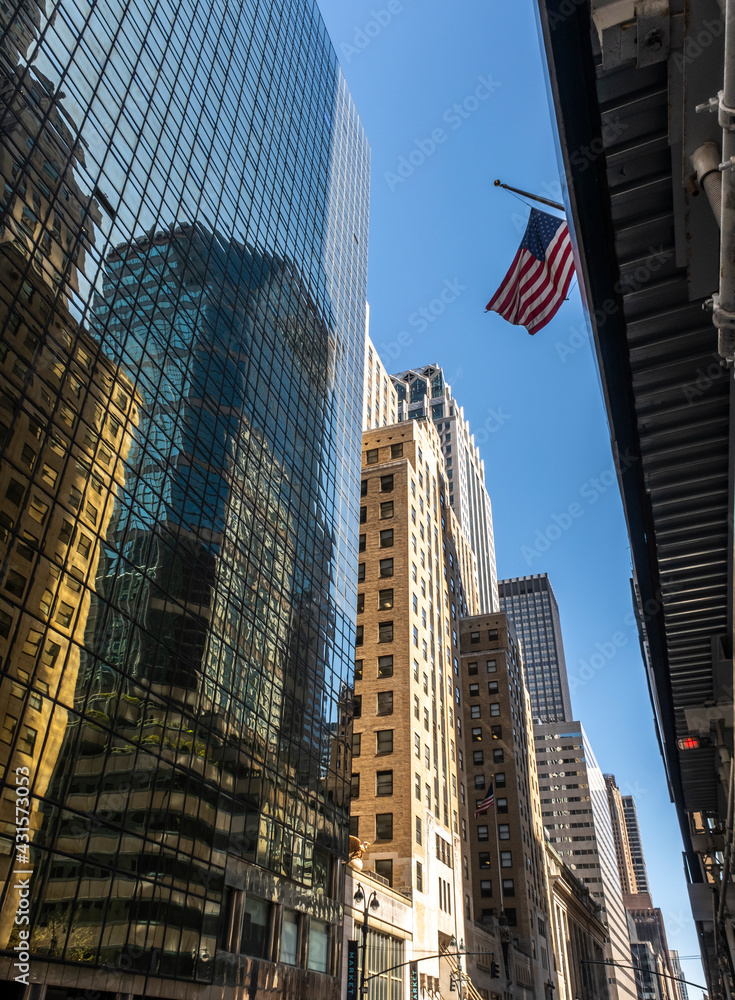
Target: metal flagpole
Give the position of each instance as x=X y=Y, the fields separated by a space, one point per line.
x=534 y=197
x=497 y=845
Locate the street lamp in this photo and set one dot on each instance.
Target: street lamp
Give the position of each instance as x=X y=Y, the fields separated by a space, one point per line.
x=371 y=903
x=460 y=950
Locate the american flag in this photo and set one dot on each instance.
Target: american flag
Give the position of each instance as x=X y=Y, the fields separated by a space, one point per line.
x=482 y=807
x=539 y=277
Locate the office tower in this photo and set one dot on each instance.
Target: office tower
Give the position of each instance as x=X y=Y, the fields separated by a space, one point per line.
x=577 y=819
x=648 y=921
x=530 y=603
x=415 y=581
x=183 y=248
x=636 y=844
x=580 y=937
x=423 y=394
x=681 y=987
x=380 y=402
x=626 y=871
x=506 y=840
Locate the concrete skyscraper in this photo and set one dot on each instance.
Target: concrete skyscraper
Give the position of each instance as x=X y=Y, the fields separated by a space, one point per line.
x=628 y=881
x=636 y=844
x=575 y=813
x=530 y=604
x=183 y=248
x=423 y=394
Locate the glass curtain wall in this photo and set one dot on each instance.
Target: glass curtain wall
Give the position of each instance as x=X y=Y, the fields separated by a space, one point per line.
x=183 y=241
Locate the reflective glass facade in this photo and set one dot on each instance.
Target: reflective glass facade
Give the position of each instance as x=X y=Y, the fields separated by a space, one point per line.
x=183 y=246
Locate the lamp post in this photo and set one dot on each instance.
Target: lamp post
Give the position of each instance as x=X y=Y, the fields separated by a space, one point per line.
x=460 y=951
x=371 y=903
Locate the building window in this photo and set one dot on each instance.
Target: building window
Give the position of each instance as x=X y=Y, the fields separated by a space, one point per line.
x=255 y=925
x=418 y=830
x=359 y=631
x=384 y=783
x=417 y=781
x=384 y=741
x=361 y=573
x=500 y=779
x=486 y=887
x=384 y=868
x=288 y=953
x=509 y=888
x=363 y=487
x=384 y=826
x=504 y=831
x=386 y=509
x=498 y=756
x=357 y=706
x=479 y=781
x=416 y=636
x=495 y=708
x=385 y=631
x=477 y=734
x=358 y=670
x=416 y=706
x=492 y=687
x=506 y=859
x=491 y=666
x=472 y=669
x=396 y=450
x=484 y=859
x=474 y=637
x=478 y=757
x=385 y=703
x=362 y=543
x=360 y=603
x=355 y=786
x=502 y=805
x=386 y=484
x=474 y=690
x=371 y=456
x=474 y=711
x=354 y=826
x=386 y=567
x=417 y=745
x=318 y=945
x=482 y=833
x=419 y=876
x=496 y=732
x=8 y=729
x=356 y=741
x=386 y=538
x=385 y=666
x=492 y=635
x=363 y=515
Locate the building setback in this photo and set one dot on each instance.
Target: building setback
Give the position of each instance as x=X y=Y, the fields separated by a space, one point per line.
x=626 y=871
x=576 y=817
x=530 y=604
x=423 y=394
x=178 y=494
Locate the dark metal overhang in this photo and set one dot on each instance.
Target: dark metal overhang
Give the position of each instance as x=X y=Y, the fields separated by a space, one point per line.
x=644 y=254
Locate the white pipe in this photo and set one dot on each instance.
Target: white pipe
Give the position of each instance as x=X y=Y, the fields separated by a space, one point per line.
x=705 y=162
x=724 y=315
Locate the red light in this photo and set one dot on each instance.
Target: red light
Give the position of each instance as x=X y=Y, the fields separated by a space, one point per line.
x=690 y=743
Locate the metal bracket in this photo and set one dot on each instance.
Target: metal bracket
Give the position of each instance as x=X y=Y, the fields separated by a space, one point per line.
x=725 y=116
x=654 y=32
x=723 y=319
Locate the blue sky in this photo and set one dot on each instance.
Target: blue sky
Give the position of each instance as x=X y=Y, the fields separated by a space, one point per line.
x=451 y=97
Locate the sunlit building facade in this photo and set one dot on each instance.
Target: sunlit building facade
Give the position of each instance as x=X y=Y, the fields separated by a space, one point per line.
x=183 y=300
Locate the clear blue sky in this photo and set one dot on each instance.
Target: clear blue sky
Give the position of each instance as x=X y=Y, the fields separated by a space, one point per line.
x=461 y=87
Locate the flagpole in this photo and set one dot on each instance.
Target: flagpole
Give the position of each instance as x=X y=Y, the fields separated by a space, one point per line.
x=497 y=845
x=534 y=197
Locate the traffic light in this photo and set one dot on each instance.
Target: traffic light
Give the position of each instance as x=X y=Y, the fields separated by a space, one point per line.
x=494 y=970
x=452 y=987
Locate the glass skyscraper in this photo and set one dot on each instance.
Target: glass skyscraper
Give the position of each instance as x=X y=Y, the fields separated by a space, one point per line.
x=183 y=245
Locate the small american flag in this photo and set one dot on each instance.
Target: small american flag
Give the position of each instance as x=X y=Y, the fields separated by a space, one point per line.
x=489 y=800
x=539 y=277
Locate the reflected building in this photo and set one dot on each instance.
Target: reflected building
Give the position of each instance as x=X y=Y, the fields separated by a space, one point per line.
x=182 y=471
